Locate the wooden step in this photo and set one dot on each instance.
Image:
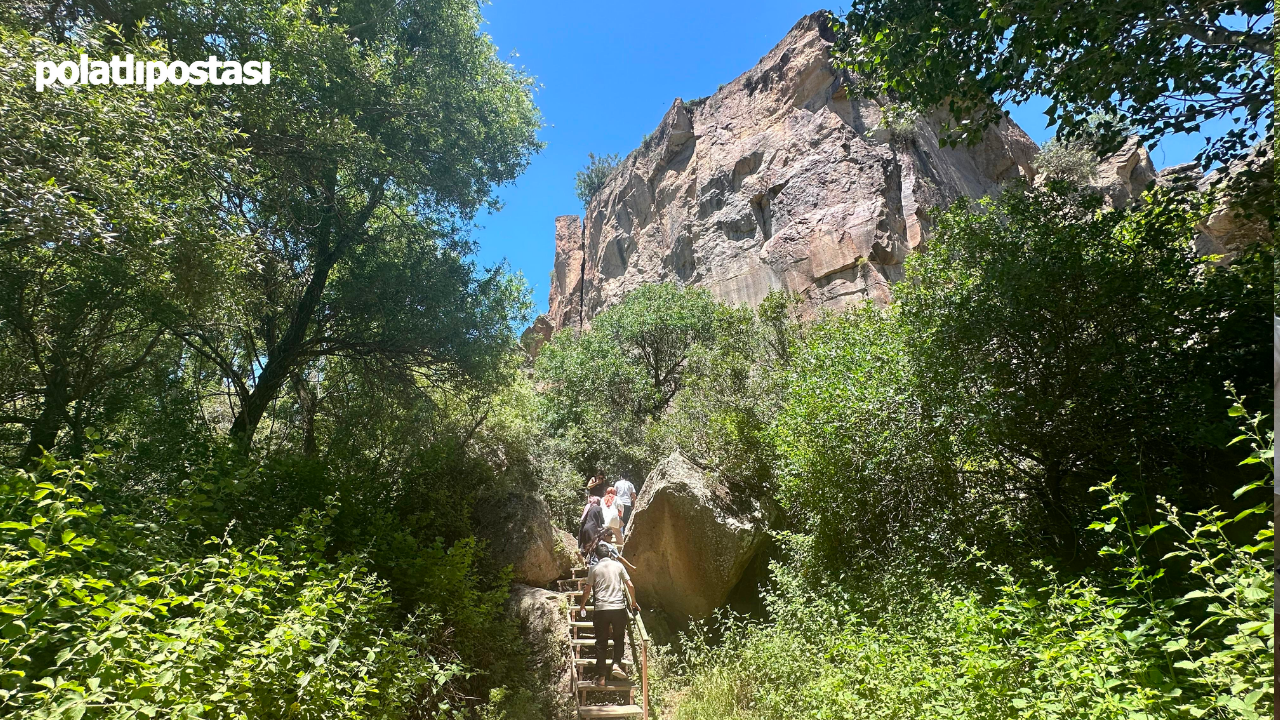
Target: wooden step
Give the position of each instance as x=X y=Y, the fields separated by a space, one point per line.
x=587 y=642
x=579 y=624
x=608 y=711
x=581 y=662
x=614 y=685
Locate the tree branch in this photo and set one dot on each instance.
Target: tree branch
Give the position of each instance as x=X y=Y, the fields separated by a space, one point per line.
x=1257 y=43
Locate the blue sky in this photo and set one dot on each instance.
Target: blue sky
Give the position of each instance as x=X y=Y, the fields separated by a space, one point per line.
x=607 y=72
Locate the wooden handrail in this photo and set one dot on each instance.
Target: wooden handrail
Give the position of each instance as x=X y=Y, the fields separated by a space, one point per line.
x=637 y=625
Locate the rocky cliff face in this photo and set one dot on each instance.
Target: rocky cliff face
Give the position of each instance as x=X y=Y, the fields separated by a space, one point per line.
x=779 y=180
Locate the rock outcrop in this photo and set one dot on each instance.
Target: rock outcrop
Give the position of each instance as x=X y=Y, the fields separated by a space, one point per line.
x=1228 y=230
x=690 y=540
x=543 y=618
x=518 y=529
x=1123 y=176
x=778 y=180
x=536 y=335
x=782 y=180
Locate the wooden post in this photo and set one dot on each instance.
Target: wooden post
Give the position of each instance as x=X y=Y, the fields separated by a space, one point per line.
x=644 y=677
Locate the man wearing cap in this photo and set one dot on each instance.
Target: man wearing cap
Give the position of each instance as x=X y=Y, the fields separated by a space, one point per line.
x=607 y=584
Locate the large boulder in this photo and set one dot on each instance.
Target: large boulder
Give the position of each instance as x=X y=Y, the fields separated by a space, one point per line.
x=567 y=548
x=518 y=528
x=543 y=617
x=690 y=539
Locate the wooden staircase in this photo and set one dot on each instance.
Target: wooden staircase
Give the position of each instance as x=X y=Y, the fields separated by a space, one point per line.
x=617 y=698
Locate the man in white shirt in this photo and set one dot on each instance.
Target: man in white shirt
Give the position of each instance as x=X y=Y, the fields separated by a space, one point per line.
x=607 y=583
x=626 y=496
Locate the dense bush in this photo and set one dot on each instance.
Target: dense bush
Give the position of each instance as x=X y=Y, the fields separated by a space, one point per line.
x=861 y=460
x=106 y=617
x=1015 y=646
x=1063 y=344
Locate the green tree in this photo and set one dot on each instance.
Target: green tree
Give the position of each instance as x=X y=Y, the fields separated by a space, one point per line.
x=1067 y=161
x=1070 y=344
x=384 y=129
x=110 y=228
x=593 y=175
x=1160 y=67
x=604 y=386
x=733 y=390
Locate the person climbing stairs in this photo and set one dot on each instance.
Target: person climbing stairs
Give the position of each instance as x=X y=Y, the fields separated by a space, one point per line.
x=616 y=696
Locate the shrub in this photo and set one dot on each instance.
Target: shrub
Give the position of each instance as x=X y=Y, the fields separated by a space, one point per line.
x=1187 y=636
x=1071 y=161
x=1064 y=344
x=593 y=175
x=899 y=121
x=99 y=620
x=861 y=458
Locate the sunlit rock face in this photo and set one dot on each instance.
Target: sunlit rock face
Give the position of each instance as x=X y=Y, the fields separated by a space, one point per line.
x=691 y=540
x=779 y=180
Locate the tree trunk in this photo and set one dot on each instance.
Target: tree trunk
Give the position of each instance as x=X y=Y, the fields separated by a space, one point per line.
x=53 y=415
x=288 y=355
x=308 y=405
x=285 y=359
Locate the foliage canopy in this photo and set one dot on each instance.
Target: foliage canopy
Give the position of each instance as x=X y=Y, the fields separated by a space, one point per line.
x=1154 y=67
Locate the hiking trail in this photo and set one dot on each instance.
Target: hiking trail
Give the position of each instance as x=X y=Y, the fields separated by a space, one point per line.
x=617 y=698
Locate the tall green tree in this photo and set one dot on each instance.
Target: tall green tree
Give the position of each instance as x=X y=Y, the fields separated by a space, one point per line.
x=110 y=227
x=385 y=128
x=1151 y=66
x=1069 y=345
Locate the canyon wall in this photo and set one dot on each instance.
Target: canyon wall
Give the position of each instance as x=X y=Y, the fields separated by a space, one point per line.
x=780 y=180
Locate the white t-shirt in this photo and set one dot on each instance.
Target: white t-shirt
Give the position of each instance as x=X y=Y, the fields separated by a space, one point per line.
x=626 y=491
